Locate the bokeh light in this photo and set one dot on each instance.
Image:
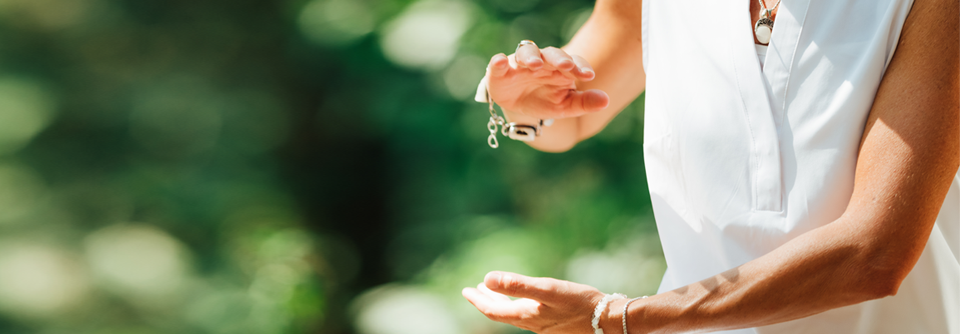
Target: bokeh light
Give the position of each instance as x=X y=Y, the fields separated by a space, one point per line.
x=336 y=22
x=427 y=34
x=21 y=191
x=634 y=269
x=463 y=74
x=25 y=109
x=403 y=310
x=139 y=261
x=38 y=280
x=294 y=166
x=46 y=14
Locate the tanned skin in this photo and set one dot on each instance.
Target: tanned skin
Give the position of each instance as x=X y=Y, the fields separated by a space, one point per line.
x=909 y=153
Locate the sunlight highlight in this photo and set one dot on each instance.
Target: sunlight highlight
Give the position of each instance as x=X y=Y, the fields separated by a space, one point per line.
x=426 y=35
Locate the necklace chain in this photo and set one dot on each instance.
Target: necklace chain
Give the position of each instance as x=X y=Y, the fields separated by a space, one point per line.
x=763 y=7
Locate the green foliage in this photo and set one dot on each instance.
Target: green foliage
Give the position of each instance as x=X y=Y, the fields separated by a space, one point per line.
x=289 y=167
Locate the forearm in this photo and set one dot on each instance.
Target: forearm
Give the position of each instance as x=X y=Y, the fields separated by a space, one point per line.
x=610 y=42
x=908 y=156
x=821 y=270
x=907 y=161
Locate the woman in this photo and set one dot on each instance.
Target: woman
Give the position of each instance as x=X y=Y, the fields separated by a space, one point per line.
x=796 y=186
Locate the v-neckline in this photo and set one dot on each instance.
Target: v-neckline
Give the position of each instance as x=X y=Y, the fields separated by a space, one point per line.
x=762 y=92
x=780 y=53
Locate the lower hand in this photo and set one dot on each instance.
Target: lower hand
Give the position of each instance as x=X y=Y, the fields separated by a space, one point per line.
x=546 y=305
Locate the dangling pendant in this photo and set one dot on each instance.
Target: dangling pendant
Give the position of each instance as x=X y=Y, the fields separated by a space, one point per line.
x=764 y=27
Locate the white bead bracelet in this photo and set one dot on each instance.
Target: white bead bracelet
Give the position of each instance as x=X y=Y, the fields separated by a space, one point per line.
x=602 y=305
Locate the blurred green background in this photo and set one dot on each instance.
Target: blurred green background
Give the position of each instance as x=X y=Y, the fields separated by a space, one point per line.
x=290 y=166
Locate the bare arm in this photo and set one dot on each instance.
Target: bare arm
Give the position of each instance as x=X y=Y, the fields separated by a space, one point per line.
x=609 y=44
x=617 y=60
x=909 y=152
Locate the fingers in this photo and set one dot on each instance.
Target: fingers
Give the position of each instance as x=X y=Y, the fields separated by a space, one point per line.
x=558 y=58
x=564 y=103
x=576 y=65
x=498 y=309
x=529 y=56
x=584 y=70
x=499 y=65
x=492 y=294
x=541 y=289
x=542 y=83
x=560 y=306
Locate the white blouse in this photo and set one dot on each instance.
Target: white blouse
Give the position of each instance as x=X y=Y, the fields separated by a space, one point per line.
x=761 y=53
x=743 y=155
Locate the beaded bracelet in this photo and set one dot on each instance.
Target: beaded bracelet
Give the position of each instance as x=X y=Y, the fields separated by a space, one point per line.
x=624 y=318
x=602 y=305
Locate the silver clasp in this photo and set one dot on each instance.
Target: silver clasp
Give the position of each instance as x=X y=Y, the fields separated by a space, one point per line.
x=522 y=132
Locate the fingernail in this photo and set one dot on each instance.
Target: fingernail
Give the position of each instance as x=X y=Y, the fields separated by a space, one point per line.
x=494 y=277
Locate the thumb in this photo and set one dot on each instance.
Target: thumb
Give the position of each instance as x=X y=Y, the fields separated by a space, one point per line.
x=579 y=103
x=516 y=285
x=592 y=100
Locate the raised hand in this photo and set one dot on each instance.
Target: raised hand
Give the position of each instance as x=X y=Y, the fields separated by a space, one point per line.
x=546 y=305
x=542 y=83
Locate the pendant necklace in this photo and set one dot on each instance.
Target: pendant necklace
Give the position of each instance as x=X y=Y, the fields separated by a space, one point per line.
x=764 y=26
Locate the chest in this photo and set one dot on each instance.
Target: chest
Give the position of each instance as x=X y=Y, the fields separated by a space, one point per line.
x=718 y=116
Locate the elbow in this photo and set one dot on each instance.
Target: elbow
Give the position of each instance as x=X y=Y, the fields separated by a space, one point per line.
x=883 y=278
x=880 y=265
x=881 y=285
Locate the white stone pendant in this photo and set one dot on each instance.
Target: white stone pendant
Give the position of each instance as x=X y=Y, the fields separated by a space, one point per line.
x=763 y=29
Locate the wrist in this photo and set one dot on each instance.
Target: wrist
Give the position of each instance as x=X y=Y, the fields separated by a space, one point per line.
x=631 y=309
x=519 y=118
x=603 y=311
x=612 y=320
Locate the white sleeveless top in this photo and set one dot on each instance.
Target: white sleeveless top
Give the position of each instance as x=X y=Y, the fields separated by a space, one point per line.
x=741 y=159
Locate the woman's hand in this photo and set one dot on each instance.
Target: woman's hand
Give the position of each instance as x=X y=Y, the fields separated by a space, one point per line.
x=542 y=83
x=546 y=305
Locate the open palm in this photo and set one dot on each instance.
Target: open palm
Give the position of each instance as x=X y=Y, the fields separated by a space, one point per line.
x=545 y=305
